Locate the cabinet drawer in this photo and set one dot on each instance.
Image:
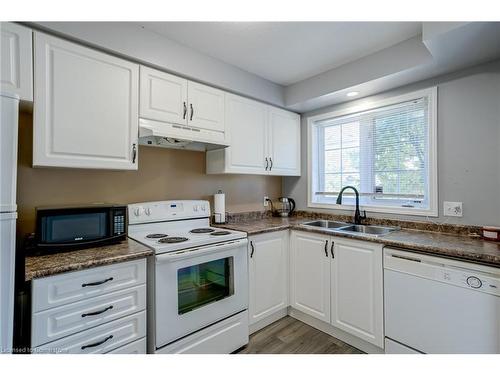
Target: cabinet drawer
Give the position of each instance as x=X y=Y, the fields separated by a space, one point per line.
x=136 y=347
x=101 y=339
x=53 y=324
x=220 y=338
x=70 y=287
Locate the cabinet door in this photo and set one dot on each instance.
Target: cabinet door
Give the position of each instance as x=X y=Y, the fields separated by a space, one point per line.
x=268 y=266
x=163 y=96
x=86 y=112
x=284 y=135
x=247 y=126
x=310 y=274
x=16 y=60
x=206 y=107
x=357 y=294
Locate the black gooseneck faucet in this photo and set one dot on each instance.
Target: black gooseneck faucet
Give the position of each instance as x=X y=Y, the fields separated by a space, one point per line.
x=357 y=214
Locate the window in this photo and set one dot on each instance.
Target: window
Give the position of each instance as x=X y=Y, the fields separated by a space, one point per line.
x=386 y=150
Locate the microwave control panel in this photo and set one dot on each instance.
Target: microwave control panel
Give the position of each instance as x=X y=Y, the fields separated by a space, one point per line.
x=119 y=222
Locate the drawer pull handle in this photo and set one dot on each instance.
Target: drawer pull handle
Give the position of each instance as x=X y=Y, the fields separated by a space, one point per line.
x=97 y=282
x=97 y=312
x=97 y=343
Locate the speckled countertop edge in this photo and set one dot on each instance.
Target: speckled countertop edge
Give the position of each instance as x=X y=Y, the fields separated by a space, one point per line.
x=460 y=247
x=56 y=263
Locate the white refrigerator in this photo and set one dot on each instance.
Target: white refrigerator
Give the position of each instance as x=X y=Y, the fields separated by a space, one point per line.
x=9 y=113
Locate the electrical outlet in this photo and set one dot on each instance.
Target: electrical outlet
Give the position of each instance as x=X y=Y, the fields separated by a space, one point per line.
x=452 y=209
x=266 y=201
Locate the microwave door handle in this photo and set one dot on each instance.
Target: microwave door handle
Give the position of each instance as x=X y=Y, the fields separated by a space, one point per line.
x=197 y=251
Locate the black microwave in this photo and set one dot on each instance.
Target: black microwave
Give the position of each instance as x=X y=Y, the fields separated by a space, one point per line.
x=67 y=228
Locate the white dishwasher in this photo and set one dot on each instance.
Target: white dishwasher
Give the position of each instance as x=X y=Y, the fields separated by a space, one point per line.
x=440 y=305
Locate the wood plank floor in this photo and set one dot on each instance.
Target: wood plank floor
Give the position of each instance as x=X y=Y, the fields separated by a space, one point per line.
x=291 y=336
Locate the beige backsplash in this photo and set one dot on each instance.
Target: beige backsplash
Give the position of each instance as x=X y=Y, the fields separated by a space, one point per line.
x=163 y=174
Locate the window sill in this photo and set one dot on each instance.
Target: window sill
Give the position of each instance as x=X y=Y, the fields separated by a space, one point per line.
x=387 y=210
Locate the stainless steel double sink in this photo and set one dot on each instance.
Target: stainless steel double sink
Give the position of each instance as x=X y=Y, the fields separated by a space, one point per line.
x=338 y=226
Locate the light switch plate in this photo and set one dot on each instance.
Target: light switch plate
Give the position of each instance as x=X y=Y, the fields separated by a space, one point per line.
x=452 y=209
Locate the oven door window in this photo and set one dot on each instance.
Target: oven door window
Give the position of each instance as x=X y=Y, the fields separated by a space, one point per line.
x=204 y=283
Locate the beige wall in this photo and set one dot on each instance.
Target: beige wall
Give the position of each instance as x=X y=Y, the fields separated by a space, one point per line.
x=163 y=174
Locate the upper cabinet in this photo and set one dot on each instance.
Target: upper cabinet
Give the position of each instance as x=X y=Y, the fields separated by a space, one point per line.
x=86 y=107
x=171 y=106
x=206 y=107
x=16 y=60
x=263 y=140
x=163 y=96
x=247 y=126
x=284 y=138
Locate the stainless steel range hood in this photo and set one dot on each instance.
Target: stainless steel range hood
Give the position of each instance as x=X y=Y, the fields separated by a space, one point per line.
x=162 y=134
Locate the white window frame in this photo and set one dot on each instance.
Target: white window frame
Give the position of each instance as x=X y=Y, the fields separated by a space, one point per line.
x=432 y=210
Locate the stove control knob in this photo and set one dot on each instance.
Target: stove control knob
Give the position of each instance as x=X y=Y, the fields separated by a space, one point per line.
x=195 y=208
x=147 y=211
x=137 y=211
x=203 y=208
x=474 y=282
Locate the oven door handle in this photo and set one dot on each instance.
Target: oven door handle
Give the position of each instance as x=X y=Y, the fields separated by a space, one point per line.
x=197 y=251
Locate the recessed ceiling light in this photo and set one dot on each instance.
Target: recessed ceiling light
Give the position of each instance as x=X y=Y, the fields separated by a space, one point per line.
x=352 y=93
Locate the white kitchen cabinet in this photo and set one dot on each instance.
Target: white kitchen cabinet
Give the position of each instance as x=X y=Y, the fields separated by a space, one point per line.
x=163 y=96
x=93 y=310
x=284 y=138
x=357 y=289
x=310 y=274
x=262 y=140
x=87 y=104
x=16 y=60
x=101 y=339
x=339 y=280
x=174 y=107
x=206 y=107
x=247 y=134
x=268 y=274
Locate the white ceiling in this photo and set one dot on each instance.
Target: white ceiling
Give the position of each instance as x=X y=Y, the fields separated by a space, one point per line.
x=287 y=52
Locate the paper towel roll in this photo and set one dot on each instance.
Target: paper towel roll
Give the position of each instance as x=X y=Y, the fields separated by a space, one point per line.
x=220 y=207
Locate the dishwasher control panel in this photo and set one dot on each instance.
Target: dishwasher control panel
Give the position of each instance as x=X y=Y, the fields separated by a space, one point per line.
x=470 y=280
x=466 y=275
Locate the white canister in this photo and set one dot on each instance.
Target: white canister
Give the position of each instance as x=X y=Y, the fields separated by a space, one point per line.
x=220 y=207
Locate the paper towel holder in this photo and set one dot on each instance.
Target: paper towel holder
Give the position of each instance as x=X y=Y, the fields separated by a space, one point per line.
x=220 y=213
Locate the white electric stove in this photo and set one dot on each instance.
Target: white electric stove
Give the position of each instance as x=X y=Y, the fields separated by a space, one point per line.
x=197 y=280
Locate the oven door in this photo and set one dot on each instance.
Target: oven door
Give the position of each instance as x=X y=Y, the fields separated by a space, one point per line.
x=197 y=287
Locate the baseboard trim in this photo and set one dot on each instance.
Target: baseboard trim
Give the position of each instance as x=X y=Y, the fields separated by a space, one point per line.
x=335 y=332
x=268 y=320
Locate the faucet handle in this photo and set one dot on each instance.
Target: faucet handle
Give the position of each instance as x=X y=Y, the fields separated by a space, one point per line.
x=364 y=214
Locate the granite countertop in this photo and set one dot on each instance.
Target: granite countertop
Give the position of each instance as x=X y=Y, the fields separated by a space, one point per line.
x=52 y=264
x=434 y=243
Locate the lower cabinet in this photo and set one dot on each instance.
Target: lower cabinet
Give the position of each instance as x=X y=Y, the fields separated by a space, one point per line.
x=310 y=274
x=339 y=281
x=268 y=274
x=96 y=310
x=357 y=289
